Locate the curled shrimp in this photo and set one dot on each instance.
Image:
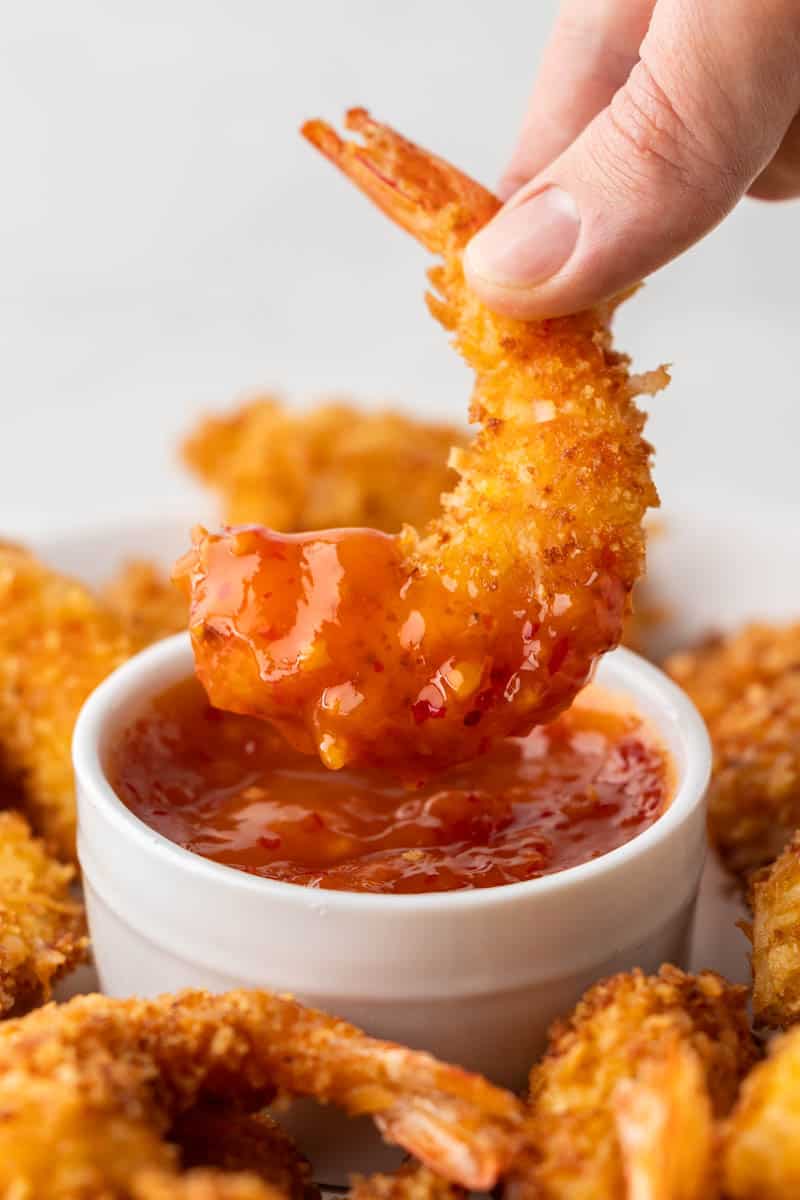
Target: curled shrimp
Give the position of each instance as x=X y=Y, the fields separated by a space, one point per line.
x=113 y=1076
x=419 y=650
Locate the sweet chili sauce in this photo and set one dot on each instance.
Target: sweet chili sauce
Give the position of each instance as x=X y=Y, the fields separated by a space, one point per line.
x=229 y=788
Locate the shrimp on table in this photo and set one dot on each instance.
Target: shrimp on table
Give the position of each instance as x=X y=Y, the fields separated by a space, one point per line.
x=643 y=1059
x=423 y=648
x=90 y=1091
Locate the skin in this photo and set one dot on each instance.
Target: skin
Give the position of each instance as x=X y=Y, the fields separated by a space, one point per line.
x=639 y=109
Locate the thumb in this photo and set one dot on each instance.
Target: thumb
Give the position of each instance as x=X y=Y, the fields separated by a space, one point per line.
x=699 y=117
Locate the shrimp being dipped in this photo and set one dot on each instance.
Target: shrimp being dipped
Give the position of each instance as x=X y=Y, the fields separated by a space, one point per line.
x=419 y=650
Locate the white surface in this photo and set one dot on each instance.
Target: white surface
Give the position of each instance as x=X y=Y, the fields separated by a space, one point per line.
x=167 y=241
x=474 y=977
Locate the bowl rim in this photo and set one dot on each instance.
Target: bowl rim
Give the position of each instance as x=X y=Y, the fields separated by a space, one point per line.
x=142 y=669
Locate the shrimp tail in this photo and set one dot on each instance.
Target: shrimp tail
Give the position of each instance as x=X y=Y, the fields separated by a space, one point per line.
x=423 y=194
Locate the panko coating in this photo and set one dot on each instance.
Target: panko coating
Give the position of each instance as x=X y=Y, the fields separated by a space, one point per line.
x=775 y=931
x=57 y=642
x=747 y=688
x=90 y=1089
x=144 y=599
x=617 y=1034
x=329 y=466
x=761 y=1154
x=42 y=925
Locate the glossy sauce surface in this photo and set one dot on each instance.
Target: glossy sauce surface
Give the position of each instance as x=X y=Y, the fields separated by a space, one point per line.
x=367 y=661
x=229 y=788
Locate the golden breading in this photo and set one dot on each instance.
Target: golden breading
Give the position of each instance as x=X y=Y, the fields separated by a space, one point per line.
x=775 y=897
x=331 y=466
x=220 y=1136
x=90 y=1089
x=147 y=603
x=198 y=1184
x=57 y=642
x=747 y=688
x=42 y=926
x=761 y=1158
x=410 y=1182
x=619 y=1026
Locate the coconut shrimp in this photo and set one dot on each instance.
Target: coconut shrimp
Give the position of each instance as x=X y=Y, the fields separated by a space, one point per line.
x=42 y=925
x=613 y=1081
x=761 y=1153
x=775 y=931
x=90 y=1090
x=330 y=465
x=747 y=687
x=419 y=650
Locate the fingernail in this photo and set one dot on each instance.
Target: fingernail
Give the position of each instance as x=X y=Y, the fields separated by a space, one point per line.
x=527 y=242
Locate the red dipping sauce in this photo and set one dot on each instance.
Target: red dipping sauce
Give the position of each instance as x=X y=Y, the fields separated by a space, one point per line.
x=229 y=788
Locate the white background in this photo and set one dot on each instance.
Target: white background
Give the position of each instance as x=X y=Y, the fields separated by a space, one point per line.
x=167 y=241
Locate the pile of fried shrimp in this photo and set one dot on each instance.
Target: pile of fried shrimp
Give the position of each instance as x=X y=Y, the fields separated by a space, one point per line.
x=663 y=1087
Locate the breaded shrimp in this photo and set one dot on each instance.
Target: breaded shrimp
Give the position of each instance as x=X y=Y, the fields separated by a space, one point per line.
x=775 y=897
x=417 y=651
x=57 y=642
x=198 y=1184
x=213 y=1135
x=615 y=1036
x=42 y=926
x=328 y=466
x=747 y=687
x=665 y=1125
x=88 y=1090
x=145 y=601
x=761 y=1154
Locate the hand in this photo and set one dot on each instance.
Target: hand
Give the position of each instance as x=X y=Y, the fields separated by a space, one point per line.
x=648 y=122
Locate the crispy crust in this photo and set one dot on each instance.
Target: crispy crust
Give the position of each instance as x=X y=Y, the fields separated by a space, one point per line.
x=57 y=642
x=761 y=1159
x=747 y=687
x=199 y=1184
x=103 y=1080
x=619 y=1026
x=145 y=601
x=327 y=467
x=775 y=932
x=42 y=925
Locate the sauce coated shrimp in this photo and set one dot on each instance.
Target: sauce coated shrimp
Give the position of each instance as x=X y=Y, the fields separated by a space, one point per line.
x=420 y=650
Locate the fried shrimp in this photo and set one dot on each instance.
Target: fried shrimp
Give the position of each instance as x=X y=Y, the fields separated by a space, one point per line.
x=57 y=642
x=330 y=466
x=747 y=687
x=90 y=1089
x=761 y=1153
x=222 y=1136
x=613 y=1077
x=418 y=650
x=42 y=926
x=775 y=897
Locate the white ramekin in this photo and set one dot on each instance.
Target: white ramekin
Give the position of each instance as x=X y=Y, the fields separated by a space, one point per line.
x=476 y=977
